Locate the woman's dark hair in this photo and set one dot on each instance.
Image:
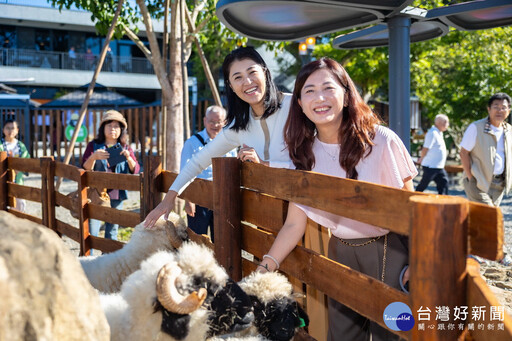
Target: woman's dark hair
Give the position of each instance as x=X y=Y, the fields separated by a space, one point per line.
x=356 y=131
x=238 y=110
x=101 y=132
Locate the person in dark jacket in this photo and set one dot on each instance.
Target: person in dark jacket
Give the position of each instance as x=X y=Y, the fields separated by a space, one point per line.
x=96 y=158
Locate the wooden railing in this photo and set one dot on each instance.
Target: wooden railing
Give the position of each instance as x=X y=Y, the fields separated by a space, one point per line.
x=250 y=203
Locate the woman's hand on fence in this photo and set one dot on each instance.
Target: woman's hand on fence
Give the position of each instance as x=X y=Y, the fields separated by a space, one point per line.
x=248 y=154
x=163 y=208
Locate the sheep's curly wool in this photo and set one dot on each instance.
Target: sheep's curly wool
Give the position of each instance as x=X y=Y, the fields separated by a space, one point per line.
x=136 y=314
x=107 y=272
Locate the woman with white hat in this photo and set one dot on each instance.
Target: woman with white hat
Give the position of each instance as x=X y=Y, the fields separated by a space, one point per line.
x=96 y=158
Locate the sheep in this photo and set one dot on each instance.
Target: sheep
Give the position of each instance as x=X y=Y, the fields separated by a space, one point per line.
x=277 y=315
x=182 y=295
x=107 y=272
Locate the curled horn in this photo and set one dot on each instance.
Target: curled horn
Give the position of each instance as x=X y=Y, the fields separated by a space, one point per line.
x=173 y=230
x=169 y=296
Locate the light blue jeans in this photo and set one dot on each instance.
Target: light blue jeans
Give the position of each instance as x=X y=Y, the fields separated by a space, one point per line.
x=110 y=229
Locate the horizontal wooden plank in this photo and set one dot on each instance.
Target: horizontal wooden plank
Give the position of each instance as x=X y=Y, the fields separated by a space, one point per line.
x=371 y=297
x=479 y=295
x=25 y=216
x=105 y=245
x=200 y=192
x=68 y=230
x=453 y=168
x=63 y=200
x=167 y=178
x=111 y=215
x=24 y=192
x=369 y=203
x=24 y=164
x=67 y=171
x=200 y=239
x=486 y=231
x=263 y=210
x=129 y=182
x=366 y=202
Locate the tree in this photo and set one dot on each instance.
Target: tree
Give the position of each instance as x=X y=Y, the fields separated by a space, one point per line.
x=171 y=78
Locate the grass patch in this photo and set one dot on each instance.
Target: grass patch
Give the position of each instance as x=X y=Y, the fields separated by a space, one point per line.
x=125 y=233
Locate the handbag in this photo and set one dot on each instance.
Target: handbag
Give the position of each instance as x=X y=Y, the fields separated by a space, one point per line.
x=94 y=196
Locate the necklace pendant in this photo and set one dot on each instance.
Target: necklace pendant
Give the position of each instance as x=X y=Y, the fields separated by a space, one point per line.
x=333 y=158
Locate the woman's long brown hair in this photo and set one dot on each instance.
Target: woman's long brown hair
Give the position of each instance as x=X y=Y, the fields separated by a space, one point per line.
x=357 y=128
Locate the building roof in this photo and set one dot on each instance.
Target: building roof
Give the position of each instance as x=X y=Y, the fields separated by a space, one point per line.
x=101 y=98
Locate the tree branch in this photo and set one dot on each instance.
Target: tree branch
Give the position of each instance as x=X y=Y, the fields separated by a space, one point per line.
x=156 y=59
x=133 y=37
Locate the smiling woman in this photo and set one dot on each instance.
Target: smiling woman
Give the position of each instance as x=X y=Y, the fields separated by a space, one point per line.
x=331 y=130
x=256 y=116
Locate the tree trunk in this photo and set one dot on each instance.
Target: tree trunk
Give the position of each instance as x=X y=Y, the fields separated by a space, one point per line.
x=174 y=100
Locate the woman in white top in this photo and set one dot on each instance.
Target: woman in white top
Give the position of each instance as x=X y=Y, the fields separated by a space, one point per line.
x=257 y=113
x=331 y=130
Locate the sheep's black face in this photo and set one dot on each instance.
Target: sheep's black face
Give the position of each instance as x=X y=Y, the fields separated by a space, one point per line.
x=279 y=319
x=176 y=325
x=231 y=308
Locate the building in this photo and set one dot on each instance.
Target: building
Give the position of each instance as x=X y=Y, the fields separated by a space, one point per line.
x=35 y=44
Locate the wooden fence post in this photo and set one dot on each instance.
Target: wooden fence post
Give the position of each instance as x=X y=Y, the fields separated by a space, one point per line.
x=439 y=247
x=3 y=181
x=227 y=208
x=48 y=192
x=85 y=240
x=152 y=182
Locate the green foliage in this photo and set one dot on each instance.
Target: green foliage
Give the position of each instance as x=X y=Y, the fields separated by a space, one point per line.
x=457 y=74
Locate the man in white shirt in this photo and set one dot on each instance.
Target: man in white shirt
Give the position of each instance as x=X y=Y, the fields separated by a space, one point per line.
x=486 y=154
x=433 y=156
x=199 y=218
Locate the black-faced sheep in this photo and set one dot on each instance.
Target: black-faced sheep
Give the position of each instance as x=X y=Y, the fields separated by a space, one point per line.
x=107 y=272
x=182 y=295
x=277 y=315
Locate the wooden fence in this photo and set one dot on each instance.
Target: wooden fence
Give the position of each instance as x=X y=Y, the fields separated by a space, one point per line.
x=250 y=204
x=43 y=130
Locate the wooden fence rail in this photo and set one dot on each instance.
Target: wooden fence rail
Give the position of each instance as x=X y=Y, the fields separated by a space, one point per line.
x=250 y=203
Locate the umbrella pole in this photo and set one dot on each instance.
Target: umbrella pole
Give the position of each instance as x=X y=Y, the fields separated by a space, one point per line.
x=90 y=89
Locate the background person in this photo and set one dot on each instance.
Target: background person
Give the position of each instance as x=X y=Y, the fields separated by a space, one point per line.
x=257 y=113
x=14 y=148
x=95 y=158
x=198 y=217
x=433 y=156
x=486 y=152
x=331 y=130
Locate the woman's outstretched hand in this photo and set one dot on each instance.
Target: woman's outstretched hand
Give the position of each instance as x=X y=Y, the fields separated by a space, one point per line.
x=163 y=208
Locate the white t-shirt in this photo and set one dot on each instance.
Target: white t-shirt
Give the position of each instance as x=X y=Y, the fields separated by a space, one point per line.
x=469 y=141
x=436 y=155
x=388 y=164
x=12 y=148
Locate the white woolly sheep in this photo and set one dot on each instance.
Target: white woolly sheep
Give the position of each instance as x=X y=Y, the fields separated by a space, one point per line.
x=183 y=295
x=277 y=315
x=107 y=272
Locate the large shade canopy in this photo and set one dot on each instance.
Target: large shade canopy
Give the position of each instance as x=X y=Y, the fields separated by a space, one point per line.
x=291 y=20
x=101 y=98
x=475 y=15
x=378 y=35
